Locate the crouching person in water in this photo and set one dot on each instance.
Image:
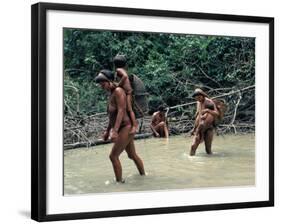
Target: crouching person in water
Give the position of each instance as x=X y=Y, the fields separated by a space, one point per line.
x=119 y=125
x=206 y=115
x=159 y=124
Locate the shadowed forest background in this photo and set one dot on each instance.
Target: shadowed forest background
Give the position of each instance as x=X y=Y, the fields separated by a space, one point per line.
x=171 y=67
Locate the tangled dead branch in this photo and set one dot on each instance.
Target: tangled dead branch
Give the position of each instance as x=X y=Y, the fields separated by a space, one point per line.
x=240 y=118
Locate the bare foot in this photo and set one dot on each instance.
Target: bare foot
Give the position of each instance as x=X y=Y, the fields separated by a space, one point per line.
x=122 y=181
x=192 y=152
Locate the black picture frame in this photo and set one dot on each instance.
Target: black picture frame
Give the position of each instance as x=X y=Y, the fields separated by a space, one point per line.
x=39 y=106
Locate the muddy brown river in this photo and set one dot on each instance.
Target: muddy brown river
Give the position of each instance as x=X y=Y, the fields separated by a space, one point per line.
x=167 y=164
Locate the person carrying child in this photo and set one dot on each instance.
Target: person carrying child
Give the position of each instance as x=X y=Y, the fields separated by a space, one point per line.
x=206 y=116
x=119 y=125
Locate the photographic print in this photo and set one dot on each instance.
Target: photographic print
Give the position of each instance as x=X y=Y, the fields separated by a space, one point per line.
x=187 y=119
x=141 y=111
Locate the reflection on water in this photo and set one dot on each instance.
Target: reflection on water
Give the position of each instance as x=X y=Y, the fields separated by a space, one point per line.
x=167 y=164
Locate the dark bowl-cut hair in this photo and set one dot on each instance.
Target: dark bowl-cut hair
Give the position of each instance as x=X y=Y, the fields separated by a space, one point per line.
x=109 y=74
x=120 y=61
x=161 y=108
x=209 y=106
x=104 y=75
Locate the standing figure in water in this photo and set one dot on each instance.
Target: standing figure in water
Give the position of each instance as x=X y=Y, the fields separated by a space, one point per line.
x=120 y=64
x=159 y=124
x=119 y=125
x=206 y=115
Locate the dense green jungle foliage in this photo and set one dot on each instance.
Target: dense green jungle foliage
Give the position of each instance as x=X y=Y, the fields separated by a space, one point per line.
x=170 y=65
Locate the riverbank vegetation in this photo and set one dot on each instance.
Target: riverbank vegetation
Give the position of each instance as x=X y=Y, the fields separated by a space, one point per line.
x=171 y=67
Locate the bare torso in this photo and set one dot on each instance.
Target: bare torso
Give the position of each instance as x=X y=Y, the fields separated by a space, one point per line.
x=205 y=117
x=159 y=125
x=120 y=123
x=157 y=118
x=113 y=110
x=204 y=125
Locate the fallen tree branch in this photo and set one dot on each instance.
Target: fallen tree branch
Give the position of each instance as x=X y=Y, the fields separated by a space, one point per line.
x=222 y=95
x=206 y=75
x=84 y=131
x=101 y=142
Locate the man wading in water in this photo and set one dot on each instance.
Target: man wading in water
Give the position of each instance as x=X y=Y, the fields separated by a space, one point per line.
x=119 y=125
x=206 y=115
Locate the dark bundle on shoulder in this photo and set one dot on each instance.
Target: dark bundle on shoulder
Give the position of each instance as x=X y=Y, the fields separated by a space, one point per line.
x=222 y=108
x=140 y=102
x=209 y=106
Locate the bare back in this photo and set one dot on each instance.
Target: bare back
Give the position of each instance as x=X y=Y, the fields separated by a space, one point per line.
x=157 y=118
x=124 y=80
